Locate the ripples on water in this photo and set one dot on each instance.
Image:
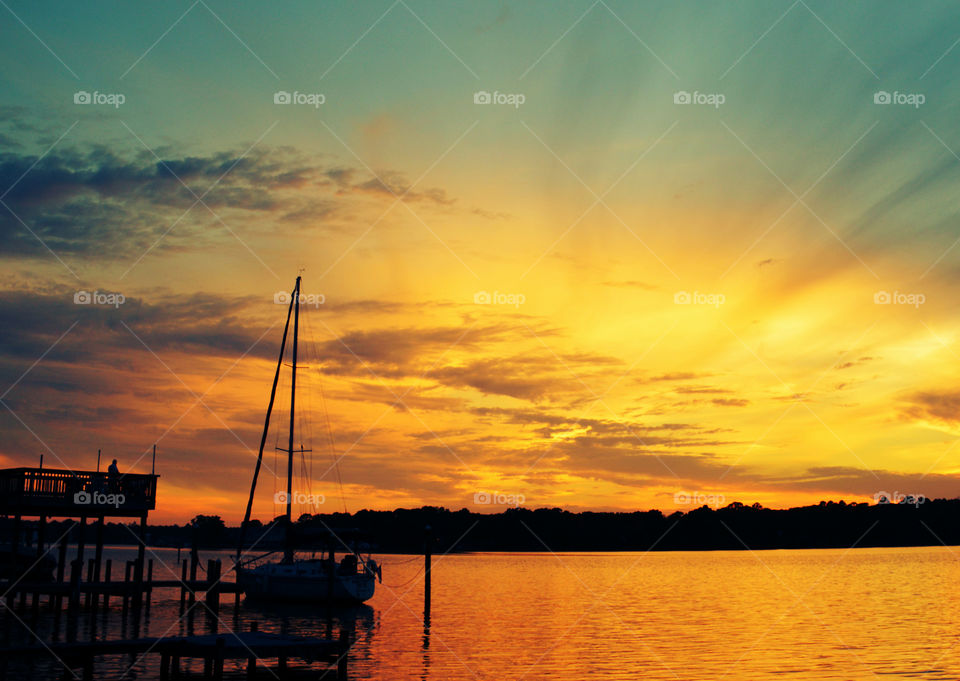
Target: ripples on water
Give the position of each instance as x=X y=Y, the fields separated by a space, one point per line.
x=813 y=614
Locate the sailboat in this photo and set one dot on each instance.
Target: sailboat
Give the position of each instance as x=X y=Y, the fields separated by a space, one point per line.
x=315 y=580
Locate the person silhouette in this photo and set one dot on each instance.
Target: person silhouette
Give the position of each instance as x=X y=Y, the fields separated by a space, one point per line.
x=113 y=475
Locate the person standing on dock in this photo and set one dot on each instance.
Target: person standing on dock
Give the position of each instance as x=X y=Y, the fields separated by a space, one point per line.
x=113 y=475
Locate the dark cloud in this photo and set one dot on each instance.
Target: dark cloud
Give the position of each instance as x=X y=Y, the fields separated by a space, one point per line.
x=730 y=402
x=943 y=406
x=701 y=389
x=853 y=363
x=98 y=202
x=678 y=376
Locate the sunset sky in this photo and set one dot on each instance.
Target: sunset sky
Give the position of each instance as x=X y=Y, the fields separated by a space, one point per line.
x=749 y=297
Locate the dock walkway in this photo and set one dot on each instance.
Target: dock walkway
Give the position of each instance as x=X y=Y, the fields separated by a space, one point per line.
x=213 y=649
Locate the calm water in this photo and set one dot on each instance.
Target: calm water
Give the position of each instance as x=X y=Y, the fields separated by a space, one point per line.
x=821 y=614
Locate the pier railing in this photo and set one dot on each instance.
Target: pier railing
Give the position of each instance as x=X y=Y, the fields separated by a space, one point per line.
x=32 y=491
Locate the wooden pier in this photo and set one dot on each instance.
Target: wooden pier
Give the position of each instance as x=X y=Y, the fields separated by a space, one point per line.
x=254 y=647
x=53 y=493
x=87 y=584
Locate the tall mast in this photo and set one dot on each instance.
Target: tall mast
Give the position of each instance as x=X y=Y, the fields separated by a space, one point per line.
x=263 y=437
x=293 y=396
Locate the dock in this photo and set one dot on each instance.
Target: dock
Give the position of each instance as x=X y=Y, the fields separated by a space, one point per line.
x=86 y=584
x=254 y=646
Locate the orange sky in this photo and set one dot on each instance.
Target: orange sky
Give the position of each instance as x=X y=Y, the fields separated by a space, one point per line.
x=598 y=298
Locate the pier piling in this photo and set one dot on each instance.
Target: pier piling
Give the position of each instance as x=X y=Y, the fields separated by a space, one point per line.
x=427 y=560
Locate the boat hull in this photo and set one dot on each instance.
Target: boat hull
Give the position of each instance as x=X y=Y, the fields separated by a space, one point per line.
x=287 y=583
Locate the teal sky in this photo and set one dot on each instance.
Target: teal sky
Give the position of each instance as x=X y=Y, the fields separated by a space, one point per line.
x=598 y=199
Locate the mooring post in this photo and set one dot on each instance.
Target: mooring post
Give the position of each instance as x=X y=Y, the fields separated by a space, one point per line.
x=331 y=577
x=15 y=539
x=81 y=532
x=342 y=658
x=98 y=557
x=252 y=659
x=41 y=537
x=183 y=585
x=149 y=582
x=218 y=660
x=213 y=586
x=87 y=594
x=62 y=563
x=194 y=560
x=76 y=566
x=164 y=666
x=106 y=581
x=427 y=560
x=218 y=664
x=41 y=534
x=141 y=549
x=126 y=588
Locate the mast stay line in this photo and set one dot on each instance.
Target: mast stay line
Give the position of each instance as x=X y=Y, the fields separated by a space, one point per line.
x=266 y=424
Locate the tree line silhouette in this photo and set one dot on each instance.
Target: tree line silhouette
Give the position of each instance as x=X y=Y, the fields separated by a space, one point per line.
x=734 y=527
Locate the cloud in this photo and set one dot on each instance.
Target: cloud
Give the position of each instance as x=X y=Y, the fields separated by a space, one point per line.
x=700 y=389
x=632 y=284
x=939 y=406
x=100 y=203
x=853 y=363
x=678 y=376
x=730 y=402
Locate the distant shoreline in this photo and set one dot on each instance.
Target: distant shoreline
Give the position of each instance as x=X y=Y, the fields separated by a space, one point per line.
x=828 y=525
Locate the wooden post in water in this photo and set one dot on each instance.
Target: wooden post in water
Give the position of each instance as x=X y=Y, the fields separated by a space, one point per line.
x=98 y=558
x=81 y=531
x=106 y=580
x=331 y=576
x=194 y=559
x=218 y=659
x=342 y=658
x=427 y=560
x=138 y=571
x=41 y=536
x=213 y=586
x=149 y=582
x=252 y=659
x=76 y=567
x=126 y=588
x=183 y=585
x=62 y=564
x=87 y=595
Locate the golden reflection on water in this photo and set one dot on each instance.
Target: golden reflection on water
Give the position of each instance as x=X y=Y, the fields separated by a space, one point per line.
x=813 y=614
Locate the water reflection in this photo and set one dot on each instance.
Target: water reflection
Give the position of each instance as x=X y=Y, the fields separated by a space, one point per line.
x=810 y=614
